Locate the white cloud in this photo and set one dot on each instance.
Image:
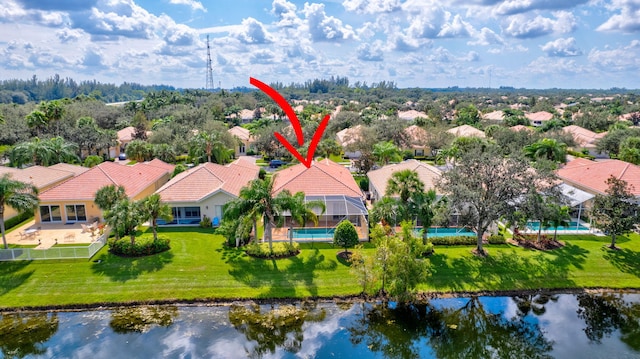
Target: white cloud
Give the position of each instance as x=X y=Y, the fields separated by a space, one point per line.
x=193 y=4
x=562 y=48
x=371 y=52
x=511 y=7
x=252 y=31
x=92 y=58
x=628 y=20
x=372 y=6
x=323 y=27
x=485 y=37
x=457 y=28
x=262 y=56
x=181 y=35
x=524 y=26
x=286 y=13
x=625 y=58
x=69 y=35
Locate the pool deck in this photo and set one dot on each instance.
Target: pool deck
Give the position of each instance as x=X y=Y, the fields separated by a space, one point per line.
x=48 y=235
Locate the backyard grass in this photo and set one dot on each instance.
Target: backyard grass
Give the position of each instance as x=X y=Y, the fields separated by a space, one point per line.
x=199 y=267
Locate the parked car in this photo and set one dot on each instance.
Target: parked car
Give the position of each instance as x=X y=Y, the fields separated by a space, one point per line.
x=122 y=157
x=276 y=163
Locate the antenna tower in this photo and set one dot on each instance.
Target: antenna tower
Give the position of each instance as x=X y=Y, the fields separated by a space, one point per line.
x=209 y=85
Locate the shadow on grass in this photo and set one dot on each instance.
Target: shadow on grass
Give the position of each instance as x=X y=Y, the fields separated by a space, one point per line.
x=625 y=260
x=12 y=275
x=122 y=269
x=506 y=269
x=281 y=277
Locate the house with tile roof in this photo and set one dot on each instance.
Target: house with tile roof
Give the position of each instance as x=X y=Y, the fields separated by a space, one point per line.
x=538 y=118
x=378 y=179
x=591 y=176
x=417 y=138
x=205 y=189
x=584 y=138
x=493 y=116
x=411 y=115
x=73 y=200
x=466 y=131
x=331 y=183
x=41 y=177
x=244 y=138
x=349 y=136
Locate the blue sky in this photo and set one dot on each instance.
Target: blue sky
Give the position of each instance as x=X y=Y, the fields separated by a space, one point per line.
x=415 y=43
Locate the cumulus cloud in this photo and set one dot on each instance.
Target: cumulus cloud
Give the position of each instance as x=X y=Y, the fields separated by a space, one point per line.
x=262 y=57
x=486 y=37
x=92 y=58
x=511 y=7
x=180 y=35
x=286 y=13
x=69 y=35
x=323 y=27
x=626 y=58
x=523 y=26
x=370 y=52
x=456 y=28
x=562 y=48
x=193 y=4
x=252 y=31
x=372 y=6
x=628 y=20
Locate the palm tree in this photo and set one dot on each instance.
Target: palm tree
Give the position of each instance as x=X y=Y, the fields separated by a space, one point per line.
x=153 y=208
x=386 y=152
x=424 y=205
x=404 y=183
x=17 y=195
x=53 y=110
x=107 y=196
x=63 y=151
x=37 y=152
x=38 y=120
x=547 y=148
x=301 y=211
x=559 y=216
x=139 y=150
x=125 y=216
x=210 y=145
x=387 y=210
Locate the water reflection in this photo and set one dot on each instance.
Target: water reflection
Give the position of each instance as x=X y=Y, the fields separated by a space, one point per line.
x=531 y=326
x=23 y=334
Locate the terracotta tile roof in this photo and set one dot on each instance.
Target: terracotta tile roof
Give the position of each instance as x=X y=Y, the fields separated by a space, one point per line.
x=517 y=128
x=349 y=135
x=592 y=175
x=428 y=174
x=39 y=176
x=466 y=131
x=160 y=164
x=75 y=169
x=582 y=136
x=322 y=178
x=494 y=116
x=411 y=115
x=539 y=116
x=200 y=182
x=242 y=133
x=126 y=134
x=417 y=134
x=134 y=178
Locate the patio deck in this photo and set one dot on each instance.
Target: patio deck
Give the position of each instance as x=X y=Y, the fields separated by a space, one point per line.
x=49 y=235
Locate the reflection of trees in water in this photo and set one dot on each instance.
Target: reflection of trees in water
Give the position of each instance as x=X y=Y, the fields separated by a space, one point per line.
x=279 y=327
x=467 y=332
x=22 y=334
x=533 y=303
x=605 y=313
x=141 y=319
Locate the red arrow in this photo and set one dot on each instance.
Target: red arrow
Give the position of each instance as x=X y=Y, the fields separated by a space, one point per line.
x=295 y=123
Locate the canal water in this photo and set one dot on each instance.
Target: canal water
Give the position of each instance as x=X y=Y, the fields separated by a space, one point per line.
x=527 y=326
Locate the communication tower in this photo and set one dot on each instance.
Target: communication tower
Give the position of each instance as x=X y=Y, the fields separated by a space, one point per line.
x=209 y=85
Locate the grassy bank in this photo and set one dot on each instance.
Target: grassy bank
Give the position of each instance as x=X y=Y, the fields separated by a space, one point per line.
x=198 y=267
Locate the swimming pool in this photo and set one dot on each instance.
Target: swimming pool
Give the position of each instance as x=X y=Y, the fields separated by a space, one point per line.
x=444 y=232
x=313 y=233
x=573 y=226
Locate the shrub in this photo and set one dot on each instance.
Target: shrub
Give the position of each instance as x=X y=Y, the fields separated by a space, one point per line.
x=345 y=235
x=427 y=249
x=142 y=247
x=453 y=240
x=92 y=161
x=280 y=250
x=14 y=221
x=496 y=239
x=364 y=184
x=205 y=222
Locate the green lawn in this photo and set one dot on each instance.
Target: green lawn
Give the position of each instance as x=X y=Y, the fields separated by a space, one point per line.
x=198 y=267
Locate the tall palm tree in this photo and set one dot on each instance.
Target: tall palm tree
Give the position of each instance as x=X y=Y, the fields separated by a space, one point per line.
x=36 y=151
x=387 y=210
x=424 y=206
x=404 y=183
x=38 y=120
x=152 y=209
x=107 y=196
x=63 y=151
x=386 y=152
x=210 y=145
x=547 y=148
x=125 y=216
x=301 y=211
x=559 y=217
x=17 y=195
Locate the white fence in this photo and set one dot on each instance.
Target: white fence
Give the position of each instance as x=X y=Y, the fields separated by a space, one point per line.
x=29 y=254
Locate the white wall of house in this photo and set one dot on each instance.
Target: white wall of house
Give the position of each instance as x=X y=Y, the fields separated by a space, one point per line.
x=210 y=206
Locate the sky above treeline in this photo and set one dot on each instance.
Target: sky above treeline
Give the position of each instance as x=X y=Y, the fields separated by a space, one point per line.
x=414 y=43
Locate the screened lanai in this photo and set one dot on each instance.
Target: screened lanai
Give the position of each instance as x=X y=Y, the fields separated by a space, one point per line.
x=577 y=200
x=337 y=209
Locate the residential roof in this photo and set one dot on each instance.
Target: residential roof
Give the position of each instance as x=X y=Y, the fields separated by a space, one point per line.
x=83 y=187
x=75 y=169
x=582 y=136
x=493 y=116
x=428 y=174
x=517 y=128
x=417 y=135
x=466 y=131
x=40 y=177
x=349 y=135
x=539 y=116
x=200 y=182
x=241 y=133
x=592 y=175
x=126 y=134
x=411 y=115
x=323 y=178
x=160 y=164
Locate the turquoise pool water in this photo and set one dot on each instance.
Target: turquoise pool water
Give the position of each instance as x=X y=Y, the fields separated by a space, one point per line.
x=445 y=232
x=573 y=226
x=313 y=233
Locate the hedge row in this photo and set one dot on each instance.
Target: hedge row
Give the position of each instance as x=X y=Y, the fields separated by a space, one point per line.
x=141 y=247
x=465 y=240
x=280 y=250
